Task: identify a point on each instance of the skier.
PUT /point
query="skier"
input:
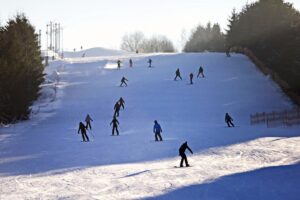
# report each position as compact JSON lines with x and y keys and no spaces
{"x":228,"y":120}
{"x":88,"y":120}
{"x":157,"y":130}
{"x":119,"y":64}
{"x":149,"y":61}
{"x":82,"y":129}
{"x":177,"y":75}
{"x":115,"y":124}
{"x":191,"y":78}
{"x":130,"y":63}
{"x":227,"y":53}
{"x":200,"y":72}
{"x":117,"y":109}
{"x":123,"y":81}
{"x":121,"y":103}
{"x":182,"y":149}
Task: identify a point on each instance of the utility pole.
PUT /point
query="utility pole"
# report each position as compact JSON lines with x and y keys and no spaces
{"x":55,"y":37}
{"x":54,"y":32}
{"x":58,"y":39}
{"x":47,"y":33}
{"x":62,"y":42}
{"x":50,"y":34}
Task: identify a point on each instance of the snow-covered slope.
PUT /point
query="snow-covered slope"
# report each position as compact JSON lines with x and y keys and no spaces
{"x":94,"y":52}
{"x":44,"y":158}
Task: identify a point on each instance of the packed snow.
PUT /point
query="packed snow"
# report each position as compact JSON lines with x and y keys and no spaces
{"x":44,"y":158}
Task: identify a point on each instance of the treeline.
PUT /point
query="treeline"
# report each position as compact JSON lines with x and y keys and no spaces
{"x":269,"y":28}
{"x":21,"y":69}
{"x":137,"y":42}
{"x":209,"y":38}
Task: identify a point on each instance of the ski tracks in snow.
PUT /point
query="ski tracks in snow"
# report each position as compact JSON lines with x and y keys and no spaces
{"x":140,"y":180}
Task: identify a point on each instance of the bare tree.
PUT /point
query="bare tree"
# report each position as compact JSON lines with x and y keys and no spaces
{"x":132,"y":42}
{"x":157,"y":44}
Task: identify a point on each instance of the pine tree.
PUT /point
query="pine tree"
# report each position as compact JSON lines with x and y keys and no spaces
{"x":230,"y":39}
{"x":270,"y":28}
{"x":209,"y":38}
{"x":21,"y":69}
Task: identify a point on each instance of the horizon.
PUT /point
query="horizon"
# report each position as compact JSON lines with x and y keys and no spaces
{"x":98,"y":23}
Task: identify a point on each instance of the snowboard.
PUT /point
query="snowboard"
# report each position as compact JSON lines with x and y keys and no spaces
{"x":182,"y":167}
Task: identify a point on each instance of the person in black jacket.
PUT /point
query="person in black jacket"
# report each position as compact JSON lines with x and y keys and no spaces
{"x":115,"y":124}
{"x":191,"y":78}
{"x":119,"y":64}
{"x":182,"y":149}
{"x":150,"y":62}
{"x":228,"y":120}
{"x":123,"y":81}
{"x":200,"y":72}
{"x":82,"y":129}
{"x":117,"y":109}
{"x":177,"y":73}
{"x":88,"y":120}
{"x":122,"y":103}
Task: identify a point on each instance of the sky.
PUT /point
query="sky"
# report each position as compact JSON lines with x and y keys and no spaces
{"x":102,"y":23}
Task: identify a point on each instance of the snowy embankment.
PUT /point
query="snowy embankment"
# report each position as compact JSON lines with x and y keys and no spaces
{"x":44,"y":159}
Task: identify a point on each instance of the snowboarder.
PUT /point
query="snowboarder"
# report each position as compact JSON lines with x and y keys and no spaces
{"x":88,"y":120}
{"x":191,"y":78}
{"x":130,"y":63}
{"x":123,"y":81}
{"x":200,"y":72}
{"x":228,"y":120}
{"x":182,"y":149}
{"x":150,"y":62}
{"x":121,"y":103}
{"x":157,"y":130}
{"x":115,"y":124}
{"x":119,"y":64}
{"x":82,"y":129}
{"x":117,"y":109}
{"x":177,"y":73}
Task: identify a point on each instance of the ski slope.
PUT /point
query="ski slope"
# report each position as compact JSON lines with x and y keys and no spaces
{"x":94,"y":52}
{"x":44,"y":158}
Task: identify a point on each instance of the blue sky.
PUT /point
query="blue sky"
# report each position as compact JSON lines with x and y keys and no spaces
{"x":92,"y":23}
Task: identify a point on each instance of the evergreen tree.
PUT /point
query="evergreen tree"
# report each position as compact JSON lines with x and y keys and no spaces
{"x":209,"y":38}
{"x":270,"y":28}
{"x":231,"y":26}
{"x":21,"y":69}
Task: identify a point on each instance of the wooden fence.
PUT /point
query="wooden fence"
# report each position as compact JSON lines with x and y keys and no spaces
{"x":275,"y":119}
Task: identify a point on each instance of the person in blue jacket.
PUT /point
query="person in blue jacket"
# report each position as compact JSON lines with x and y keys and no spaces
{"x":157,"y":130}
